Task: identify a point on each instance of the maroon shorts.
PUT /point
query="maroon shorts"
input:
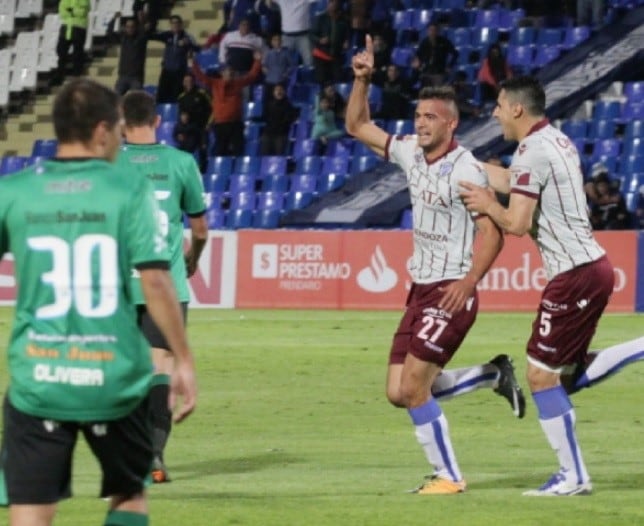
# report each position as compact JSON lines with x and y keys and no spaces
{"x":571,"y":305}
{"x":427,"y":332}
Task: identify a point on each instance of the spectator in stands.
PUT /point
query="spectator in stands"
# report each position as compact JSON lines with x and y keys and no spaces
{"x":359,"y":16}
{"x":73,"y":32}
{"x":494,"y":69}
{"x":324,"y":125}
{"x":237,"y":47}
{"x":133,"y":48}
{"x":197,"y":104}
{"x":227,"y":100}
{"x":330,"y":36}
{"x":270,"y":18}
{"x":465,"y":96}
{"x":214,"y":40}
{"x":237,"y":10}
{"x":435,"y":57}
{"x":337,"y":104}
{"x":179,"y":47}
{"x":277,"y":64}
{"x":608,"y":208}
{"x":396,"y":95}
{"x":187,"y":134}
{"x":590,"y":13}
{"x":296,"y":25}
{"x":279,"y":114}
{"x":381,"y":59}
{"x":381,"y":19}
{"x":147,"y":12}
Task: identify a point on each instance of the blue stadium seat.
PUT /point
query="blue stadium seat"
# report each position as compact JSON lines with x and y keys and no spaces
{"x":632,"y":182}
{"x":165,"y":133}
{"x":336,"y":147}
{"x":460,"y":36}
{"x":296,"y":200}
{"x":361,"y":149}
{"x":241,"y":183}
{"x":252,"y":130}
{"x":208,"y":60}
{"x":607,"y":110}
{"x":237,"y":219}
{"x":258,"y":93}
{"x":275,"y":183}
{"x":300,"y":130}
{"x":11,"y":164}
{"x":305,"y":75}
{"x":44,"y":148}
{"x":252,"y":110}
{"x":216,"y":218}
{"x":304,"y":182}
{"x":216,"y":182}
{"x":252,"y":148}
{"x":273,"y":165}
{"x":400,"y":127}
{"x":601,"y":129}
{"x":464,"y":54}
{"x":402,"y":56}
{"x":483,"y":37}
{"x":609,"y":147}
{"x":421,"y":20}
{"x":520,"y":58}
{"x":270,"y":201}
{"x":522,"y":36}
{"x":308,"y":164}
{"x":363,"y":163}
{"x":575,"y":129}
{"x":338,"y":164}
{"x":402,"y":20}
{"x":151,"y":90}
{"x":266,"y":219}
{"x":509,"y":19}
{"x":243,"y":200}
{"x":247,"y":164}
{"x":344,"y":89}
{"x":169,"y":112}
{"x":303,"y":93}
{"x":633,"y":201}
{"x":575,"y":36}
{"x":632,"y":111}
{"x":487,"y":18}
{"x":330,"y":181}
{"x":550,"y":36}
{"x":634,"y":129}
{"x":220,"y":164}
{"x":609,"y":161}
{"x":634,"y":91}
{"x":374,"y":96}
{"x":629,"y":164}
{"x":546,"y":55}
{"x":306,"y":147}
{"x":634,"y":146}
{"x":406,"y":220}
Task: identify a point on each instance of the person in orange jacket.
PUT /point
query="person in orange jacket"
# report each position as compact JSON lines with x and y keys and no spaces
{"x":227,"y":105}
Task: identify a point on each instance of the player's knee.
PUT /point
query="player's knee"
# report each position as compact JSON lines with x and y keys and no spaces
{"x":412,"y":395}
{"x":540,"y":379}
{"x":394,"y":397}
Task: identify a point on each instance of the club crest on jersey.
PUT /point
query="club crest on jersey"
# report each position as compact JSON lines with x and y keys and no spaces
{"x":419,"y":158}
{"x":522,"y":148}
{"x":445,"y":169}
{"x":563,"y":142}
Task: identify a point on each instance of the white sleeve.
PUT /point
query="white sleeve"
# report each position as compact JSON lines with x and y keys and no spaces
{"x":400,"y":150}
{"x":527,"y":173}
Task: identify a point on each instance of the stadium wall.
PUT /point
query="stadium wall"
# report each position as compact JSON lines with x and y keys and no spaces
{"x":353,"y":269}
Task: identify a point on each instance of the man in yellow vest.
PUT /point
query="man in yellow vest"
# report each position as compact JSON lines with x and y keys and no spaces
{"x":73,"y":30}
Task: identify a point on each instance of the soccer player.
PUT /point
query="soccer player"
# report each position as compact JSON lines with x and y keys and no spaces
{"x":443,"y":301}
{"x":547,"y":200}
{"x":179,"y":189}
{"x":78,"y":362}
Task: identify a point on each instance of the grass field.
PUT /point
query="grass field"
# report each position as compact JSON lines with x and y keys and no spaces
{"x":293,"y":428}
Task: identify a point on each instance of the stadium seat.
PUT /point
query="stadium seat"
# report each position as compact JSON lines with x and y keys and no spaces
{"x":460,"y":36}
{"x":237,"y":219}
{"x":241,"y":183}
{"x":258,"y":93}
{"x":374,"y":96}
{"x":633,"y":182}
{"x":275,"y":183}
{"x":266,"y":219}
{"x":11,"y":164}
{"x":300,"y":130}
{"x":169,"y":112}
{"x":339,"y":147}
{"x":575,"y":36}
{"x":487,"y":18}
{"x":216,"y":218}
{"x":208,"y":60}
{"x":522,"y":36}
{"x":303,"y":93}
{"x":601,"y":129}
{"x":270,"y":201}
{"x":44,"y":148}
{"x":216,"y":182}
{"x":361,"y":149}
{"x":363,"y":163}
{"x":634,"y":146}
{"x":406,"y":220}
{"x":607,"y":110}
{"x":546,"y":55}
{"x":510,"y":18}
{"x":222,"y":165}
{"x":632,"y":111}
{"x":297,"y":199}
{"x":634,"y":129}
{"x":520,"y":58}
{"x":400,"y":127}
{"x":550,"y":36}
{"x":243,"y":200}
{"x":575,"y":129}
{"x":402,"y":20}
{"x":272,"y":165}
{"x":165,"y":133}
{"x":309,"y":164}
{"x":402,"y":56}
{"x":634,"y":91}
{"x":305,"y":75}
{"x":247,"y":164}
{"x":330,"y":181}
{"x":482,"y":37}
{"x":337,"y":165}
{"x":609,"y":147}
{"x":306,"y":147}
{"x":629,"y":164}
{"x":252,"y":110}
{"x":464,"y":55}
{"x":344,"y":89}
{"x":252,"y":130}
{"x":421,"y":19}
{"x":303,"y":182}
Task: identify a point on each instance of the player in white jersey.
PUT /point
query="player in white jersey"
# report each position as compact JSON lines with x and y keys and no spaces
{"x":547,"y":200}
{"x":443,"y":302}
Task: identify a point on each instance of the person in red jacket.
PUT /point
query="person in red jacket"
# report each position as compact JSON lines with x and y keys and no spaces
{"x":494,"y":69}
{"x":227,"y":105}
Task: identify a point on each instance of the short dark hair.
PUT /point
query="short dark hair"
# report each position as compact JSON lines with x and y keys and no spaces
{"x":139,"y":109}
{"x":80,"y":106}
{"x":445,"y":93}
{"x":528,"y":92}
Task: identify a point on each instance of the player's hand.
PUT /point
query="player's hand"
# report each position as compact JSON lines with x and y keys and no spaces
{"x":456,"y":294}
{"x":362,"y":62}
{"x":184,"y":388}
{"x":476,"y":198}
{"x":191,"y":265}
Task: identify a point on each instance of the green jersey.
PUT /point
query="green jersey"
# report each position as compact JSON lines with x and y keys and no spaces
{"x":179,"y":189}
{"x":76,"y":229}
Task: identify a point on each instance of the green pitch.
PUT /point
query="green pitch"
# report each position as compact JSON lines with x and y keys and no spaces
{"x":293,"y":428}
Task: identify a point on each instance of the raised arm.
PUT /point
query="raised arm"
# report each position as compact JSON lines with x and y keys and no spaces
{"x":357,"y":117}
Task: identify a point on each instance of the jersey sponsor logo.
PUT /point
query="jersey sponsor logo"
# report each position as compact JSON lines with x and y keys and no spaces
{"x":445,"y":169}
{"x":546,"y":348}
{"x":523,"y":179}
{"x":433,"y":199}
{"x":522,"y":148}
{"x":68,"y":187}
{"x":430,"y":236}
{"x":378,"y":276}
{"x":68,"y":375}
{"x":563,"y":142}
{"x":552,"y":306}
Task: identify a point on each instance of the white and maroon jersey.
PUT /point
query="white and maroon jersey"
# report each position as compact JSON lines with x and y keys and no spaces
{"x":546,"y":167}
{"x":443,"y":228}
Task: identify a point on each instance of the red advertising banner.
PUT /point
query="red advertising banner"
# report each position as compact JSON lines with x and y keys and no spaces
{"x":367,"y":270}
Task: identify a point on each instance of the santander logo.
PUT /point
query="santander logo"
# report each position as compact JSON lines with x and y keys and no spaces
{"x":378,"y":276}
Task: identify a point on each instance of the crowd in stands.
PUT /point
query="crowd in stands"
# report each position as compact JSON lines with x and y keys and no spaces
{"x":274,"y":77}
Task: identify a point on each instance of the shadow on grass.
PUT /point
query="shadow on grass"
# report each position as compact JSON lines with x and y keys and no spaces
{"x":532,"y":481}
{"x":248,"y":464}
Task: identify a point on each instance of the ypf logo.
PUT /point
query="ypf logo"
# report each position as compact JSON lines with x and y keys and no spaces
{"x":378,"y":276}
{"x":264,"y":261}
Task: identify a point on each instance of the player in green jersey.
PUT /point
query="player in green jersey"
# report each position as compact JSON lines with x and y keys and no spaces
{"x":78,"y":362}
{"x":179,"y":189}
